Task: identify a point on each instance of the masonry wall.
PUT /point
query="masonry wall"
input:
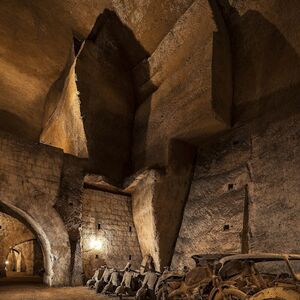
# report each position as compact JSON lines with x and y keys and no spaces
{"x":29,"y":187}
{"x":12,"y":233}
{"x":245,"y":193}
{"x":32,"y":257}
{"x":116,"y":231}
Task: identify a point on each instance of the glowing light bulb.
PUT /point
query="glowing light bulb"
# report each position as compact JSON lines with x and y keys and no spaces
{"x":96,"y":244}
{"x":6,"y":262}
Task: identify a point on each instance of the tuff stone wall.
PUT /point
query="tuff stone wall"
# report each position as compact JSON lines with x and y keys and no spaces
{"x":44,"y":187}
{"x":69,"y":207}
{"x":12,"y":232}
{"x":107,"y":100}
{"x":32,"y":56}
{"x":197,"y":48}
{"x":23,"y":260}
{"x":158,"y":201}
{"x":113,"y":214}
{"x":29,"y":260}
{"x":244,"y":195}
{"x":265,"y":55}
{"x":30,"y":180}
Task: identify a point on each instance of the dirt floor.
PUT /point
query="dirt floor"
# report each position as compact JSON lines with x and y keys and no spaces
{"x":31,"y":288}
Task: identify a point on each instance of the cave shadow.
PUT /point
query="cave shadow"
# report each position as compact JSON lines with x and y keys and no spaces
{"x":37,"y":276}
{"x":111,"y":138}
{"x":256,"y":68}
{"x":15,"y":125}
{"x":266,"y":69}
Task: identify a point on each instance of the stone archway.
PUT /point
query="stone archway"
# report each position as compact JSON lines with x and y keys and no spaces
{"x":53,"y":238}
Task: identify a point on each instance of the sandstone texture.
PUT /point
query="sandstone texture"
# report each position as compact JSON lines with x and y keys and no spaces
{"x":244,"y":194}
{"x":182,"y":93}
{"x":108,"y":218}
{"x":164,"y":128}
{"x":29,"y":186}
{"x":158,"y":202}
{"x":18,"y":236}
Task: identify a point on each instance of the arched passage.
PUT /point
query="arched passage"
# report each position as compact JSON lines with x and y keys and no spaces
{"x":55,"y":247}
{"x":21,"y":254}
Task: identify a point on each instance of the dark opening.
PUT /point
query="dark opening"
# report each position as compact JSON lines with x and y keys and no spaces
{"x":230,"y":186}
{"x":97,"y":256}
{"x":76,"y":44}
{"x":226,"y":227}
{"x":130,"y":229}
{"x":129,"y":257}
{"x":23,"y":255}
{"x":99,"y":226}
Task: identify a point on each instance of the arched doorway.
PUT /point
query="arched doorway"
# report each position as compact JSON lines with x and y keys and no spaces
{"x":51,"y":234}
{"x":24,"y":258}
{"x":21,"y":253}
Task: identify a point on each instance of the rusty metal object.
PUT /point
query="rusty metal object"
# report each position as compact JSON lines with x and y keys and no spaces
{"x":278,"y":292}
{"x":193,"y":284}
{"x":237,"y":277}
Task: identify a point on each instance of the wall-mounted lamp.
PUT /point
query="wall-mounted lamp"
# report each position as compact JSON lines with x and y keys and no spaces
{"x":6,"y":262}
{"x":96,"y":244}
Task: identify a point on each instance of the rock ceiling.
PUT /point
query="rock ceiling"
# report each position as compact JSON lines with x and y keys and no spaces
{"x":36,"y":39}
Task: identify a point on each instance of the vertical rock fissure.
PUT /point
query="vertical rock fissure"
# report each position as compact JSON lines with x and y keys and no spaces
{"x":245,"y":232}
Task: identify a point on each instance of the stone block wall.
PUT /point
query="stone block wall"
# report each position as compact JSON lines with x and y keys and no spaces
{"x":108,"y":218}
{"x":245,"y":193}
{"x":26,"y":250}
{"x":44,"y":188}
{"x":12,"y":232}
{"x":29,"y":187}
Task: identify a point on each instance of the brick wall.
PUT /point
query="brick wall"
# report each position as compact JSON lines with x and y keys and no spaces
{"x":113,"y":214}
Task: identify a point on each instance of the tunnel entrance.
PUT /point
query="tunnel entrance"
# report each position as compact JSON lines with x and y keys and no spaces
{"x":21,"y":254}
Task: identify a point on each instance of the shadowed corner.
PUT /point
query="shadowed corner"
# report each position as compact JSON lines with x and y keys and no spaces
{"x":15,"y":125}
{"x":265,"y":65}
{"x":116,"y":52}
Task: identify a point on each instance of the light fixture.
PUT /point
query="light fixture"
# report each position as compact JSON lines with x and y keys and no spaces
{"x":96,"y":244}
{"x":6,"y":262}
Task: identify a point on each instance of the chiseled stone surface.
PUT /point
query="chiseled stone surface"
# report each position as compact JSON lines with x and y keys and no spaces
{"x":117,"y":232}
{"x":30,"y":181}
{"x":191,"y":99}
{"x":158,"y":203}
{"x":275,"y":206}
{"x":13,"y":232}
{"x":265,"y":48}
{"x":151,"y":71}
{"x":264,"y":156}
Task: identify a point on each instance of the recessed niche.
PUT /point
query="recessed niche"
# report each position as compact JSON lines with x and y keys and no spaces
{"x":99,"y":226}
{"x":129,"y":257}
{"x":77,"y":45}
{"x":230,"y":186}
{"x":226,"y":227}
{"x":96,"y":256}
{"x":130,"y":229}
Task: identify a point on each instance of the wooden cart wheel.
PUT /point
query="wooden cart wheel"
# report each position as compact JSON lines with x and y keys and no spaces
{"x":230,"y":294}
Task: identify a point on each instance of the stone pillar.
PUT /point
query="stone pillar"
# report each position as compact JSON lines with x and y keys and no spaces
{"x":158,"y":204}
